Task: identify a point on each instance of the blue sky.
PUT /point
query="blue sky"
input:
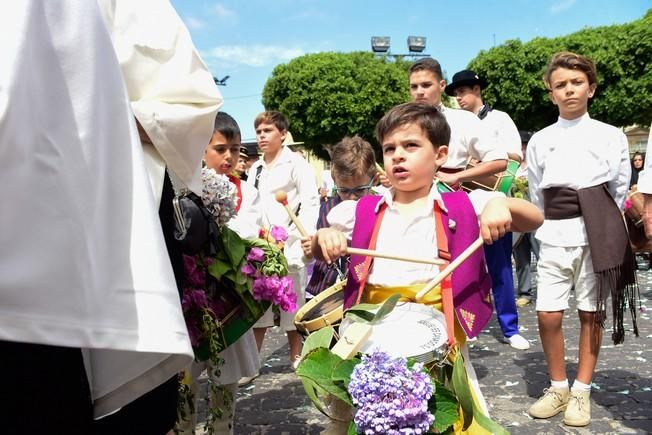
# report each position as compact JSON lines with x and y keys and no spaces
{"x":245,"y":39}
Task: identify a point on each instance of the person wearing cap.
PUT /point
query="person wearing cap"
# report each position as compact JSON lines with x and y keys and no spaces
{"x":283,"y":169}
{"x":241,"y":166}
{"x":468,"y":136}
{"x":467,"y":87}
{"x":253,"y":155}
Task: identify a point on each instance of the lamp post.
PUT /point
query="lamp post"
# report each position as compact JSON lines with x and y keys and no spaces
{"x":416,"y":45}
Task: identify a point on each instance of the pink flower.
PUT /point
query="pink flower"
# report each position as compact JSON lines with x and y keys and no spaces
{"x":628,"y":204}
{"x":195,"y":274}
{"x":256,"y":254}
{"x":279,"y":233}
{"x":248,"y":269}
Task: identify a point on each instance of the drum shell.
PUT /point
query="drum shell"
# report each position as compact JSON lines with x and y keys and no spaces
{"x":330,"y":305}
{"x":501,"y":182}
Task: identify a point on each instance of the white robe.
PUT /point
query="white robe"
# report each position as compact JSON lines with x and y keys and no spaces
{"x":83,"y":262}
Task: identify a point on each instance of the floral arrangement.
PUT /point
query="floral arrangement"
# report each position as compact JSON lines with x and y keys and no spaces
{"x":520,"y":188}
{"x":232,"y":279}
{"x":378,"y":394}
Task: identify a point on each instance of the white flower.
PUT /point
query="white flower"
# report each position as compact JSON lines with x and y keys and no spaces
{"x":219,"y":195}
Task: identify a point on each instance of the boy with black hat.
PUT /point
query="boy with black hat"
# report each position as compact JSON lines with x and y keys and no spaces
{"x":467,"y":87}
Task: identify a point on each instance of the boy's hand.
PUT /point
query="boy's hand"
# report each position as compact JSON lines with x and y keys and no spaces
{"x":647,"y":215}
{"x":495,"y":220}
{"x":450,"y":179}
{"x":329,"y":244}
{"x":306,"y":245}
{"x":384,"y":181}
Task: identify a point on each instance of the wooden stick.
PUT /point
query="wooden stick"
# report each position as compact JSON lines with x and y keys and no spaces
{"x":449,"y":269}
{"x":380,"y":169}
{"x":282,"y":197}
{"x":370,"y":253}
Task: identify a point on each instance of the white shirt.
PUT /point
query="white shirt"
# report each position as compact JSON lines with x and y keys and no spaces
{"x":413,"y":236}
{"x":248,"y":221}
{"x":292,"y":174}
{"x":504,"y":132}
{"x":576,"y":153}
{"x":83,"y":262}
{"x":645,"y":177}
{"x":469,"y":138}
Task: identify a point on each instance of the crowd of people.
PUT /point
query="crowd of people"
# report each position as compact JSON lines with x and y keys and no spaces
{"x":91,"y":326}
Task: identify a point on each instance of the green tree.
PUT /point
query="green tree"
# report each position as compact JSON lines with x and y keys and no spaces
{"x":329,"y":95}
{"x":623,"y":56}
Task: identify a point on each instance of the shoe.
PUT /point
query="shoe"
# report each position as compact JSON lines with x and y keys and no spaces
{"x":246,"y":380}
{"x":578,"y":411}
{"x":553,"y":402}
{"x":523,"y":301}
{"x":296,"y":362}
{"x":517,"y":341}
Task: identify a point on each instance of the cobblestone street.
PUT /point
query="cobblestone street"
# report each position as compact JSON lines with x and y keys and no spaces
{"x":511,"y":380}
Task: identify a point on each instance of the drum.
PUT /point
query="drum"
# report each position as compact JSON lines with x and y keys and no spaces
{"x":410,"y":330}
{"x":323,"y":310}
{"x":634,"y":221}
{"x":501,"y":182}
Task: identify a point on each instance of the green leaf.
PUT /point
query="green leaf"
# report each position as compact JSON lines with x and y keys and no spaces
{"x":360,"y":316}
{"x":343,"y":371}
{"x":353,"y":430}
{"x":444,"y":406}
{"x":462,"y":390}
{"x":487,"y":423}
{"x":312,"y":391}
{"x":233,"y":245}
{"x":318,"y":366}
{"x":219,"y":267}
{"x":320,"y":338}
{"x":387,"y":306}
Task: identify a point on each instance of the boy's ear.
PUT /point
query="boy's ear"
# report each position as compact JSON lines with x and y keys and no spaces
{"x":441,"y":155}
{"x":552,"y":97}
{"x":592,"y":90}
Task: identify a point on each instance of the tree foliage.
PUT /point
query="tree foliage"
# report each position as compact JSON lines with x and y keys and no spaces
{"x":329,"y":95}
{"x":623,"y":56}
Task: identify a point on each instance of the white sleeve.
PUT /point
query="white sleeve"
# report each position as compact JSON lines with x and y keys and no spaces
{"x":479,"y":199}
{"x":620,"y":169}
{"x":171,"y":91}
{"x":342,"y":217}
{"x":508,"y":137}
{"x":248,"y":221}
{"x":534,"y":174}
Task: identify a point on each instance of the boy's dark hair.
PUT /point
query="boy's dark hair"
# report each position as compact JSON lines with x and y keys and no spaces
{"x":426,"y":116}
{"x":352,"y":157}
{"x":272,"y":117}
{"x":569,"y":60}
{"x":226,"y":126}
{"x":427,"y":64}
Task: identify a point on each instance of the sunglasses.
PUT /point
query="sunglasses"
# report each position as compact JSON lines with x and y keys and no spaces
{"x":358,"y":191}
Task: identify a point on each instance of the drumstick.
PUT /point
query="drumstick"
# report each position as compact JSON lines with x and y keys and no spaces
{"x":282,"y":198}
{"x":449,"y":269}
{"x":380,"y":169}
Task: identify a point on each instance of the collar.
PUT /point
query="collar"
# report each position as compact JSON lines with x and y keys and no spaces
{"x":387,"y":197}
{"x":572,"y":122}
{"x":285,"y":157}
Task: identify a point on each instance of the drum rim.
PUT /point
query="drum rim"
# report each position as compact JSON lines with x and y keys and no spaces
{"x":328,"y":319}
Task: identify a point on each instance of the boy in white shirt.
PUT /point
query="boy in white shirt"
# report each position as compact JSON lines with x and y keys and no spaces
{"x":578,"y":173}
{"x":282,"y":169}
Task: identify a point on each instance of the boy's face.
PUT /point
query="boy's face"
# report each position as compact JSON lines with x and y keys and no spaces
{"x":269,"y":137}
{"x":425,"y":87}
{"x":411,"y":159}
{"x":241,"y":166}
{"x":352,"y":187}
{"x":221,"y":154}
{"x":468,"y":97}
{"x":570,"y":91}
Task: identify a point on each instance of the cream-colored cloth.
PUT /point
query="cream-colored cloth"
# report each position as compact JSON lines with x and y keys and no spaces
{"x":83,"y":261}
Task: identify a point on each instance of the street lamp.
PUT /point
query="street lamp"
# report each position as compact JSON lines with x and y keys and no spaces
{"x":416,"y":44}
{"x":380,"y":44}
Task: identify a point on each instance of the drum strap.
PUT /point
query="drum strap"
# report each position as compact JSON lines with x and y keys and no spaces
{"x":372,"y":245}
{"x":446,"y":285}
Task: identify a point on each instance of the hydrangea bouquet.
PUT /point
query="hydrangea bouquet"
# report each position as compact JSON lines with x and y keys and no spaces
{"x":229,"y":285}
{"x":378,"y":394}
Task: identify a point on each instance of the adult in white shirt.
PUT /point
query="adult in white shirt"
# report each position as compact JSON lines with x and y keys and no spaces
{"x":467,"y":87}
{"x":89,"y":307}
{"x":282,"y":169}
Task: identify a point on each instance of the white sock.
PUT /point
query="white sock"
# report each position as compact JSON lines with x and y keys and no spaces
{"x":580,"y":386}
{"x":559,"y":384}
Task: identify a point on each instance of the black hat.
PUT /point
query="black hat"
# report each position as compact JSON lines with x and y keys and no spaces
{"x":250,"y":149}
{"x":243,"y":152}
{"x":465,"y":77}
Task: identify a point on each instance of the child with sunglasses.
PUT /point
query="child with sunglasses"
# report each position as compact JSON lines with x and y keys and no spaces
{"x":354,"y":172}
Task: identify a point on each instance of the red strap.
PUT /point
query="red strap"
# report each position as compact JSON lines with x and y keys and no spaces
{"x":446,"y":284}
{"x":238,"y":188}
{"x":372,"y":245}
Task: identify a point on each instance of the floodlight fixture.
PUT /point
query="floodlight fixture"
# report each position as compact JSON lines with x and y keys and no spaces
{"x":416,"y":44}
{"x":380,"y":44}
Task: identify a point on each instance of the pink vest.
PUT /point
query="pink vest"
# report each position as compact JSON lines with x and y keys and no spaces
{"x":470,"y":281}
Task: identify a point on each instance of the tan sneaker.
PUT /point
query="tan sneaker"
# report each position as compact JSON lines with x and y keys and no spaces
{"x":553,"y":402}
{"x":523,"y":301}
{"x":578,"y":412}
